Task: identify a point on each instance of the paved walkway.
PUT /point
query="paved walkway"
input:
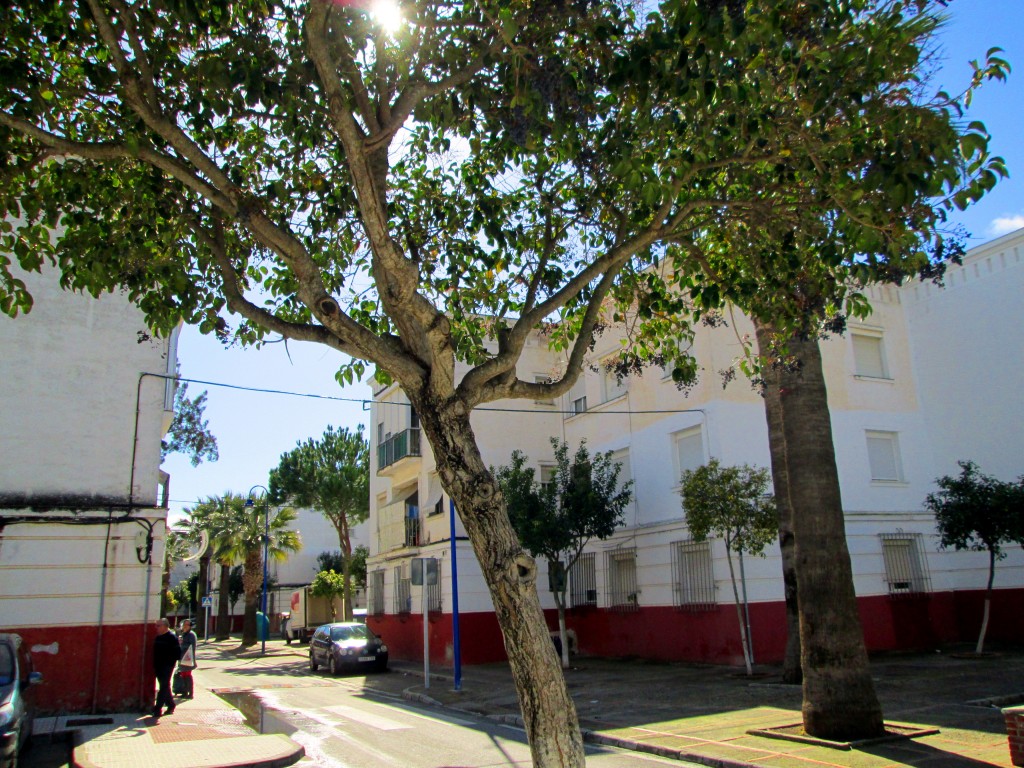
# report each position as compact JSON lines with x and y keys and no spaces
{"x":701,"y":714}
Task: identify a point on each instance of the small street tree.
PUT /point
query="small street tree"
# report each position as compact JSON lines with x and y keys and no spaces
{"x":332,"y":476}
{"x":331,"y":585}
{"x":978,"y":512}
{"x":583,"y":501}
{"x":732,"y":503}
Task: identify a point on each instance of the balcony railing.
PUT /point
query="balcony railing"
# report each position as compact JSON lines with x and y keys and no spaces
{"x":412,"y":531}
{"x":398,"y":525}
{"x":397,"y":447}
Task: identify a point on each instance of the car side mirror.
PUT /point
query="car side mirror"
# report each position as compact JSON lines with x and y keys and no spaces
{"x":34,"y":678}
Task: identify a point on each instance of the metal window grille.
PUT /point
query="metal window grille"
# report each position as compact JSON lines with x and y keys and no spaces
{"x":583,"y":581}
{"x":693,"y":575}
{"x":403,"y":592}
{"x":906,"y":569}
{"x":434,"y":597}
{"x":623,"y":594}
{"x":377,"y":592}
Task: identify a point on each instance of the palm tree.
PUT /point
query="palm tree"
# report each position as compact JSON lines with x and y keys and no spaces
{"x":215,"y":516}
{"x":243,"y":541}
{"x":175,"y":549}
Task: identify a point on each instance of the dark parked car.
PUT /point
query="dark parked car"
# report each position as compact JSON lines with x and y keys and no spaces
{"x":16,"y":680}
{"x":346,"y":645}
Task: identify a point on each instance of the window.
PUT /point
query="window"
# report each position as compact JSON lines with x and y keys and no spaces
{"x":612,"y":385}
{"x":583,"y":581}
{"x":578,"y":397}
{"x":869,"y":356}
{"x":434,"y":596}
{"x":689,"y":450}
{"x":543,"y":400}
{"x":547,"y":476}
{"x":623,"y":594}
{"x":693,"y":575}
{"x":403,"y":592}
{"x":377,"y":592}
{"x":380,"y":433}
{"x":906,"y":570}
{"x":884,"y":456}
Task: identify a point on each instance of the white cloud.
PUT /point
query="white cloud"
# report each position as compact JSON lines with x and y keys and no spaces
{"x":1005,"y":224}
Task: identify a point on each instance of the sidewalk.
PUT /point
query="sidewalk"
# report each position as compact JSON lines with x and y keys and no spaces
{"x":697,"y":713}
{"x":205,"y":732}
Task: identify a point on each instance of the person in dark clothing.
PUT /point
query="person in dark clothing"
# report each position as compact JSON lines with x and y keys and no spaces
{"x":166,"y":654}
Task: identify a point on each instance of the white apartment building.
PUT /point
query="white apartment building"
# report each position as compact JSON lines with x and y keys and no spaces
{"x":84,"y":403}
{"x":929,"y":379}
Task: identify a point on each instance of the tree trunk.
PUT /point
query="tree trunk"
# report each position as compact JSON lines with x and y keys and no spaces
{"x":563,"y":634}
{"x":988,"y":600}
{"x":202,"y":590}
{"x":791,"y":672}
{"x":548,"y":711}
{"x":224,"y":603}
{"x":744,"y":640}
{"x":253,"y":580}
{"x":839,"y":700}
{"x":165,"y":588}
{"x":345,"y":542}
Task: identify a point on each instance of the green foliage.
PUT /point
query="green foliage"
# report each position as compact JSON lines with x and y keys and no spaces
{"x":583,"y":502}
{"x":189,"y":432}
{"x":328,"y":584}
{"x":975,"y":511}
{"x":330,"y":561}
{"x":236,"y":585}
{"x":730,"y":503}
{"x":181,"y":596}
{"x":331,"y":475}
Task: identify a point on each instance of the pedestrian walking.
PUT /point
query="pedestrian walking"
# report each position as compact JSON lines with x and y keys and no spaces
{"x":166,"y":654}
{"x":187,"y":641}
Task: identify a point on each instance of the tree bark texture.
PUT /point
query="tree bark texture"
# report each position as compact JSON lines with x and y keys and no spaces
{"x":224,"y":603}
{"x":548,"y":711}
{"x":979,"y":648}
{"x":345,"y":543}
{"x":791,"y":671}
{"x":839,"y":700}
{"x":252,"y":578}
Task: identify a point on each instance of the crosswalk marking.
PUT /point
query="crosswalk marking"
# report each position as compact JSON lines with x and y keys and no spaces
{"x":367,"y":718}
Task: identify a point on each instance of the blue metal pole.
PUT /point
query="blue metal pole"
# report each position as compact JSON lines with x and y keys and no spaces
{"x":456,"y":650}
{"x":266,"y":559}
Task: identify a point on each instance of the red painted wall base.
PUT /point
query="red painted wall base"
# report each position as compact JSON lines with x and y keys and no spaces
{"x":73,"y":683}
{"x":664,"y":633}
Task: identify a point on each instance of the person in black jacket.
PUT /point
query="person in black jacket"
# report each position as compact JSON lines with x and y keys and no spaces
{"x":166,"y":654}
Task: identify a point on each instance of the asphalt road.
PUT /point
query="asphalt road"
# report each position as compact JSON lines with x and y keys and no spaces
{"x":356,"y":721}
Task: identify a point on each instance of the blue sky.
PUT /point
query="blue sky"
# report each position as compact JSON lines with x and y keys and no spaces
{"x":254,"y":429}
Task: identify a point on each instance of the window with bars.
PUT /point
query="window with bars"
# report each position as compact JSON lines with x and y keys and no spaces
{"x":403,"y":591}
{"x":906,"y":569}
{"x":623,"y":593}
{"x":377,"y":592}
{"x":434,"y":597}
{"x":693,"y":575}
{"x":583,"y":581}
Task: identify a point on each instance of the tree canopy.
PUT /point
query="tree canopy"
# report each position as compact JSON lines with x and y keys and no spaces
{"x":485,"y":170}
{"x":189,"y":432}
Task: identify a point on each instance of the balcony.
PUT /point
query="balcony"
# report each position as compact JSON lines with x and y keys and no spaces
{"x":399,"y":526}
{"x":397,"y":447}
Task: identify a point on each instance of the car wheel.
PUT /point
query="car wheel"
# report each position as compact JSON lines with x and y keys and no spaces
{"x":313,"y":666}
{"x":381,"y":666}
{"x":334,"y":666}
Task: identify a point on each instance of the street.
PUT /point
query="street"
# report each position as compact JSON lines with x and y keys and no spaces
{"x":356,"y":720}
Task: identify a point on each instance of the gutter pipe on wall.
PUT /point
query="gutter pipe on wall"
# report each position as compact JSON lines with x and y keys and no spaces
{"x":456,"y":648}
{"x":99,"y":623}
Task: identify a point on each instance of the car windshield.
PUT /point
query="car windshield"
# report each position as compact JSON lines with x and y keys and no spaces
{"x":355,"y":632}
{"x":6,"y":665}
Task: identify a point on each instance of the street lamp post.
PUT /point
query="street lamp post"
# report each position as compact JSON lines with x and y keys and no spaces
{"x":266,"y":556}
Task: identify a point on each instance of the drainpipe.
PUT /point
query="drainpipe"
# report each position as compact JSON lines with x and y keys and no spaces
{"x":456,"y":648}
{"x":99,"y":622}
{"x":145,"y":620}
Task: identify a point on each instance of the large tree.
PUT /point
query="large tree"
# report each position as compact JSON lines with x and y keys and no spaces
{"x":189,"y":432}
{"x":332,"y":476}
{"x":401,"y":195}
{"x":978,"y":512}
{"x":584,"y":500}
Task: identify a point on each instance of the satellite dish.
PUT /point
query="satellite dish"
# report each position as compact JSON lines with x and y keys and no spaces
{"x":197,"y":549}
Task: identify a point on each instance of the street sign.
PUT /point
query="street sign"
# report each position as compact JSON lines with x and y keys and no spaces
{"x":207,"y":602}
